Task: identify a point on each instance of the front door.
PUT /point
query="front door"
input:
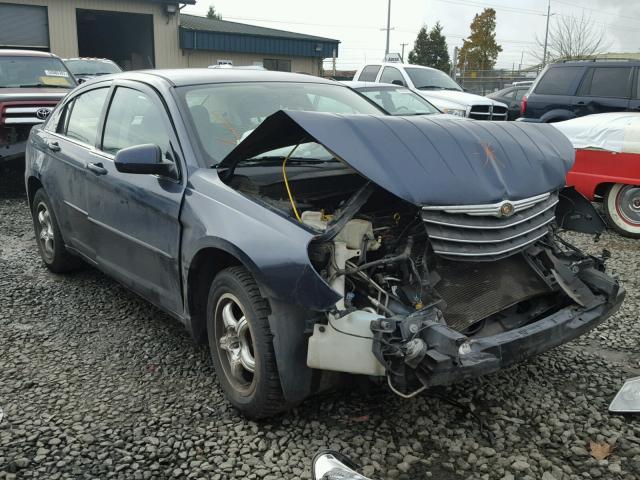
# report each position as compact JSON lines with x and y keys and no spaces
{"x":136,"y":217}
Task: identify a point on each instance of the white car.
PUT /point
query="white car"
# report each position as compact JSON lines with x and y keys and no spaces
{"x":435,"y":86}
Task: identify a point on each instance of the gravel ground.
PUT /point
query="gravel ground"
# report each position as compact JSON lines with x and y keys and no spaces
{"x":96,"y":383}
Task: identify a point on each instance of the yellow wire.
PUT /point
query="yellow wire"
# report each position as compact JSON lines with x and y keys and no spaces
{"x":286,"y":183}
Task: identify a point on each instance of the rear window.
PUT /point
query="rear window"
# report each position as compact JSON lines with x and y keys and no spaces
{"x":606,"y":82}
{"x":557,"y":81}
{"x":369,"y":73}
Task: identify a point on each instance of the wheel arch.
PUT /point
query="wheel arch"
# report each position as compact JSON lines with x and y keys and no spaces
{"x":33,"y":185}
{"x":557,"y":116}
{"x":286,"y":320}
{"x":602,"y":188}
{"x":207,"y":262}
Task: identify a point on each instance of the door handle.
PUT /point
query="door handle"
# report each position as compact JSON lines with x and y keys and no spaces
{"x":580,"y":103}
{"x":97,"y":168}
{"x":53,"y":146}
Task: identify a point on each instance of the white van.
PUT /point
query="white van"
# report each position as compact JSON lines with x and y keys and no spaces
{"x":436,"y":86}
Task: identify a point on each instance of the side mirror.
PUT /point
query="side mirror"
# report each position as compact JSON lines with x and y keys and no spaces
{"x":398,"y":82}
{"x":144,"y":160}
{"x":331,"y":465}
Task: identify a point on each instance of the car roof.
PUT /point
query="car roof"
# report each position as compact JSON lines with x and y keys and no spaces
{"x":14,"y":52}
{"x":93,"y":59}
{"x":599,"y":63}
{"x":397,"y":64}
{"x":202,"y":76}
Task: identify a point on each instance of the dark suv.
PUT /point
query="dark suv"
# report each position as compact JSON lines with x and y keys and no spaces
{"x":573,"y":89}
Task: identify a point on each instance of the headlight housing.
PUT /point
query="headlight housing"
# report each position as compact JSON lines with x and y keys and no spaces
{"x":455,"y":111}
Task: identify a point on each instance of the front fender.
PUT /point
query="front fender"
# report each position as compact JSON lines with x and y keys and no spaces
{"x":271,"y":246}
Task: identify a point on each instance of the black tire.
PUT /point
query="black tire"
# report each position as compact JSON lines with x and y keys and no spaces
{"x":53,"y":252}
{"x":256,"y":394}
{"x":621,"y":206}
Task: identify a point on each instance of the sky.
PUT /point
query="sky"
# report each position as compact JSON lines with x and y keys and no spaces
{"x":358,"y":24}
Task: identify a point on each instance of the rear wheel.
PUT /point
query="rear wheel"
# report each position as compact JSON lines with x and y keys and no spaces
{"x":622,"y":208}
{"x":241,"y":344}
{"x":45,"y":224}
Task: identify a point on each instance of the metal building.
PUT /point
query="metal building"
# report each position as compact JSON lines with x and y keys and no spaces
{"x":153,"y":33}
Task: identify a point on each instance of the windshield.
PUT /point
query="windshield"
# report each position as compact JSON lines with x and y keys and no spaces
{"x":399,"y":101}
{"x":224,"y":114}
{"x":426,"y":79}
{"x":92,"y":67}
{"x":34,"y":72}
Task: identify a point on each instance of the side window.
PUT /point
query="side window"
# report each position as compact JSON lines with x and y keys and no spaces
{"x":134,"y":119}
{"x":606,"y":82}
{"x":558,"y":80}
{"x":520,"y":93}
{"x":389,"y":74}
{"x":83,"y":116}
{"x":369,"y":73}
{"x":326,"y":104}
{"x":637,"y":88}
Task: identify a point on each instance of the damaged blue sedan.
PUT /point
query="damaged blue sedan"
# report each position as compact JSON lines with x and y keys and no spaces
{"x":308,"y":237}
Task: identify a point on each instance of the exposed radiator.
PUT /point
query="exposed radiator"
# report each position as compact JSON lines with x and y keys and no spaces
{"x":474,"y":291}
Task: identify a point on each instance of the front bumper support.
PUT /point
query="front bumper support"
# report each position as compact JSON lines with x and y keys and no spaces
{"x":476,"y":357}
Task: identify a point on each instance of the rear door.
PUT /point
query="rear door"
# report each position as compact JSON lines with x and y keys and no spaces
{"x":604,"y":89}
{"x":137,"y":216}
{"x":70,"y":140}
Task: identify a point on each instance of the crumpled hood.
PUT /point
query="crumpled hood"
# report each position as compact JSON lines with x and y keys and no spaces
{"x":428,"y":160}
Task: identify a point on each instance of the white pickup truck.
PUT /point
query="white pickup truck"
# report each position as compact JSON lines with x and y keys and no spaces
{"x":436,"y":86}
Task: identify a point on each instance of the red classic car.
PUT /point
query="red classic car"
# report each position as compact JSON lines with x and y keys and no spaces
{"x":607,"y":166}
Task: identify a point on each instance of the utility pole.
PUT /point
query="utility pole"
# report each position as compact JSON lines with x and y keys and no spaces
{"x":521,"y":59}
{"x":546,"y":35}
{"x":403,"y":45}
{"x":386,"y":50}
{"x":454,"y":63}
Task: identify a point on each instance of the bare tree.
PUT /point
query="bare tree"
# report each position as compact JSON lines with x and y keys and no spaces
{"x":572,"y":38}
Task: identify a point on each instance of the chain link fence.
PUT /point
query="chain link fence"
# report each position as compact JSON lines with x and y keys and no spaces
{"x":484,"y":82}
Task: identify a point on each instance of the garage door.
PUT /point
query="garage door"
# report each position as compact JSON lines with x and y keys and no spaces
{"x":23,"y":26}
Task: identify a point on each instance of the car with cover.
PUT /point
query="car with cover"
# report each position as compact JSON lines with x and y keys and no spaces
{"x":307,"y":237}
{"x":435,"y":86}
{"x":607,"y":166}
{"x":572,"y":89}
{"x":31,"y":85}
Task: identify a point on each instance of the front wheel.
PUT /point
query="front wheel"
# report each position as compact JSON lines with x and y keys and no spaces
{"x":622,"y":208}
{"x":241,"y":344}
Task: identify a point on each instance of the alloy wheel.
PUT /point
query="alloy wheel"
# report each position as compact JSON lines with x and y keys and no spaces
{"x":45,"y":231}
{"x":235,"y":342}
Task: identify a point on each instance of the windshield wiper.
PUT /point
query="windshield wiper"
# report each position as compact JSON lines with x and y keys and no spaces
{"x":430,"y":87}
{"x":42,"y":85}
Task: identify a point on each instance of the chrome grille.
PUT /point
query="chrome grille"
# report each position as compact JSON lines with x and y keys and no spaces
{"x":480,"y":232}
{"x":488,"y":112}
{"x":25,"y":114}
